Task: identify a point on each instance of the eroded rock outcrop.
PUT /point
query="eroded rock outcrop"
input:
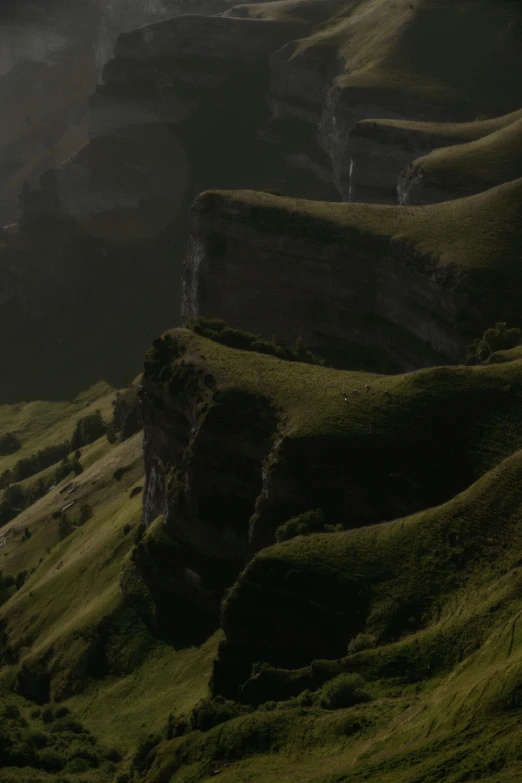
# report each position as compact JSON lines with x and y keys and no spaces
{"x":465,"y":169}
{"x":257,"y":265}
{"x":238,"y":442}
{"x":202,"y":474}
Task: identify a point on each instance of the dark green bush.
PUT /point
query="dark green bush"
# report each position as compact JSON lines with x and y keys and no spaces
{"x":20,"y":755}
{"x":11,"y":712}
{"x":65,"y":526}
{"x":176,"y":726}
{"x":126,"y":417}
{"x":363,"y":641}
{"x":211,"y":712}
{"x":50,"y":760}
{"x":112,"y":754}
{"x":145,"y":752}
{"x":309,"y":522}
{"x":88,"y":429}
{"x":67,"y":724}
{"x":343,"y":691}
{"x":9,"y":444}
{"x":85,"y":514}
{"x":497,"y":338}
{"x":47,"y":714}
{"x":77,"y":764}
{"x":89,"y":756}
{"x":37,"y":739}
{"x":217,"y":330}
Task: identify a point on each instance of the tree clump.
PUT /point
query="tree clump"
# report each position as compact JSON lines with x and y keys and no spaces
{"x":217,"y":330}
{"x":310,"y":522}
{"x":9,"y":444}
{"x":126,"y":417}
{"x":497,"y":338}
{"x":88,"y":429}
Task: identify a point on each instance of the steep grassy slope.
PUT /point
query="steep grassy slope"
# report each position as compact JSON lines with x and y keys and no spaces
{"x":68,"y":632}
{"x":480,"y":232}
{"x":44,"y":423}
{"x":468,"y":251}
{"x":456,"y":54}
{"x":474,"y":166}
{"x":426,"y":606}
{"x":452,"y":132}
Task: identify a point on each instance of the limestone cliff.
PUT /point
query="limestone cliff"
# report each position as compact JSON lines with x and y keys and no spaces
{"x":254,"y":264}
{"x":202,"y":474}
{"x":467,"y":168}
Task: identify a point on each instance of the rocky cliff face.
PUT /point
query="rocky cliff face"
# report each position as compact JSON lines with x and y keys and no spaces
{"x":150,"y":151}
{"x":202,"y":475}
{"x":381,"y":152}
{"x":248,"y":266}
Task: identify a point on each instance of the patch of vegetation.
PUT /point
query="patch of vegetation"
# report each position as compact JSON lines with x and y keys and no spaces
{"x":343,"y":691}
{"x":17,"y":498}
{"x":31,"y":741}
{"x":29,"y":466}
{"x":306,"y":523}
{"x":9,"y":444}
{"x":476,"y":165}
{"x":497,"y":338}
{"x":317,"y":592}
{"x":217,"y":330}
{"x":88,"y":429}
{"x":10,"y":583}
{"x":126,"y":417}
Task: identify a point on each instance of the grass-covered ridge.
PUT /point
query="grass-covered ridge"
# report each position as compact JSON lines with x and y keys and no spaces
{"x":481,"y":232}
{"x":389,"y":651}
{"x":476,"y":165}
{"x":438,"y":53}
{"x":460,"y":132}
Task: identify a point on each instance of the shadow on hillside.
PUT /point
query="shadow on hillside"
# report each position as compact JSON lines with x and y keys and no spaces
{"x":102,"y":309}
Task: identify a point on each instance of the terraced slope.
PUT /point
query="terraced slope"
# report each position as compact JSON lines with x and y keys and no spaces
{"x":412,"y":61}
{"x":408,"y":286}
{"x":388,"y":650}
{"x":427,"y":606}
{"x":385,"y":155}
{"x":282,"y":85}
{"x":465,"y":169}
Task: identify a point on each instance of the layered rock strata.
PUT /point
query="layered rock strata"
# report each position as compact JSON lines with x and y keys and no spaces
{"x":247,"y":265}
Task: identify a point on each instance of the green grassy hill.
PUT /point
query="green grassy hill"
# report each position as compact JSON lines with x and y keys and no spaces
{"x":458,"y":54}
{"x":68,"y":633}
{"x":475,"y":243}
{"x":388,"y":652}
{"x":426,"y":607}
{"x":479,"y":232}
{"x":359,"y":535}
{"x":474,"y":166}
{"x":451,"y":132}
